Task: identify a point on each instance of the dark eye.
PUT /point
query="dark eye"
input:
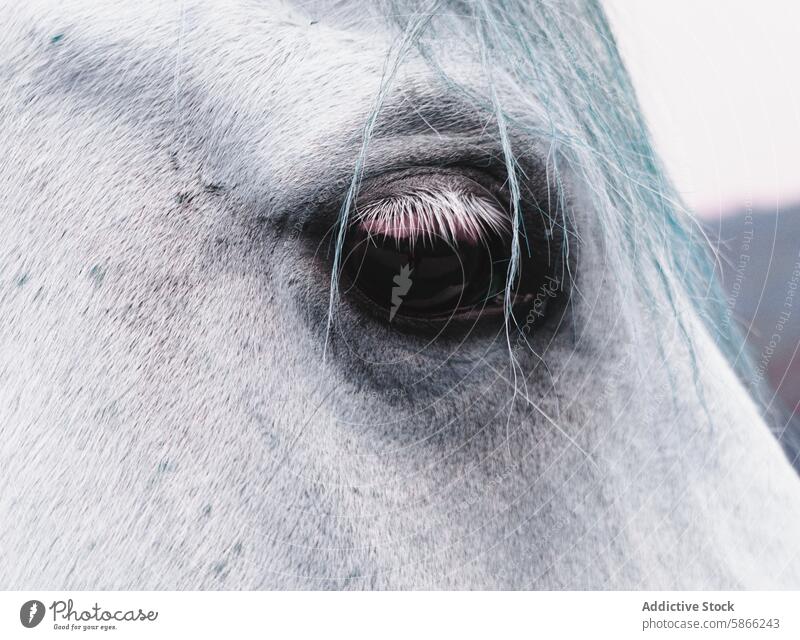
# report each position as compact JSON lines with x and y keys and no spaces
{"x":426,"y":277}
{"x":434,"y":249}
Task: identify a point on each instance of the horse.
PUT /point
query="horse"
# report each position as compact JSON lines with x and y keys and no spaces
{"x":361,"y":295}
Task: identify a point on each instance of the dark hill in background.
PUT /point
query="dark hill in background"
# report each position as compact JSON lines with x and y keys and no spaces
{"x":760,"y":253}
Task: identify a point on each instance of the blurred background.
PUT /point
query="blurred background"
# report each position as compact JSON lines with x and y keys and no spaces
{"x":719,"y":84}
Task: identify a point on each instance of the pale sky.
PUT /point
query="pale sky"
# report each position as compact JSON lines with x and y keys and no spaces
{"x":719,"y":83}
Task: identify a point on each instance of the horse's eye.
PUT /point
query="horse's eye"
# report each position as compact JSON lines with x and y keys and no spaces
{"x":429,"y":254}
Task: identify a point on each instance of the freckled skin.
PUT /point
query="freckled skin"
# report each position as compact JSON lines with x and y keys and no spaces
{"x":167,"y":417}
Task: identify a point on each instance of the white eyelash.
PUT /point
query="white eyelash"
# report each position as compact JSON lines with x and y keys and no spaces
{"x":443,"y":214}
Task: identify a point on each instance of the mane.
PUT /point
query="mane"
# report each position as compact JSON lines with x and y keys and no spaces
{"x":554,"y":74}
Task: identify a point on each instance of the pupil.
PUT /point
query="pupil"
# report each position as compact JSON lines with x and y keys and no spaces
{"x":422,"y":278}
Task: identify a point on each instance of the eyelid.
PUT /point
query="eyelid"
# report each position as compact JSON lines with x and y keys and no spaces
{"x":446,"y":207}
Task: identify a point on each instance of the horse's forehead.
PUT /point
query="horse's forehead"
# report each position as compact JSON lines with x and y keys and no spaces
{"x":254,"y":40}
